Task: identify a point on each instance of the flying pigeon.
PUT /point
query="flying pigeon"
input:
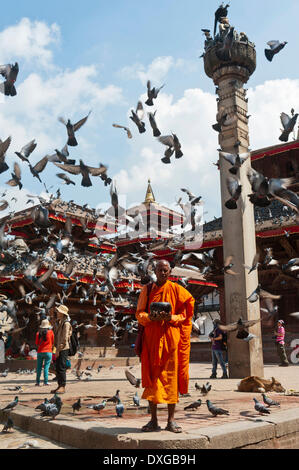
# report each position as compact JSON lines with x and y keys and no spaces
{"x":288,"y":124}
{"x":152,"y":93}
{"x":234,"y":188}
{"x":3,"y":148}
{"x":84,"y":170}
{"x":152,"y":120}
{"x":26,"y":151}
{"x":132,"y":379}
{"x":72,"y":128}
{"x":235,"y":159}
{"x":138,"y":116}
{"x":10,"y":73}
{"x":129,"y":133}
{"x":275,"y":47}
{"x":16,"y":177}
{"x":173,"y":144}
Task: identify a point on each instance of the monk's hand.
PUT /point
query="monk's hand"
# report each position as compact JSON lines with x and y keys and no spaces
{"x":166,"y":316}
{"x":154,"y":316}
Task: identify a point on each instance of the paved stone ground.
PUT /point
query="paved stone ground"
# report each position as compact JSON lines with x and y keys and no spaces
{"x":104,"y":384}
{"x":17,"y":438}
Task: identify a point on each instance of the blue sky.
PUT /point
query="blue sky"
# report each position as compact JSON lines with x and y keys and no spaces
{"x":117,"y":44}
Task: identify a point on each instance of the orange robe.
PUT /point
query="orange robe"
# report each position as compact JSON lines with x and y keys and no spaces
{"x":166,"y":345}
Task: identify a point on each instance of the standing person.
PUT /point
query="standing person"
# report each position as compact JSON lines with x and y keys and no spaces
{"x":217,"y":351}
{"x":279,"y":334}
{"x":62,"y":334}
{"x":2,"y":352}
{"x":44,"y":341}
{"x":166,"y":345}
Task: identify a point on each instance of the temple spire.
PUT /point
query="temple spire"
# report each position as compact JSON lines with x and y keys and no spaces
{"x":149,"y":197}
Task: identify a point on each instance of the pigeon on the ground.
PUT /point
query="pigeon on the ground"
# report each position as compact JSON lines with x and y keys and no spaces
{"x":268,"y":401}
{"x":214,"y":410}
{"x":115,"y":398}
{"x":193,"y":406}
{"x":260,"y":407}
{"x":11,"y":405}
{"x":136,"y":399}
{"x":8,"y":425}
{"x":77,"y":405}
{"x":98,"y":407}
{"x":119,"y":408}
{"x":43,"y":405}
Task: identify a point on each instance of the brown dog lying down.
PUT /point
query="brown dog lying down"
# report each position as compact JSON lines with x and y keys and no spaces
{"x":258,"y":384}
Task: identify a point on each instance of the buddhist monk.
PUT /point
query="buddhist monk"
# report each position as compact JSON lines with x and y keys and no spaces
{"x":166,"y":345}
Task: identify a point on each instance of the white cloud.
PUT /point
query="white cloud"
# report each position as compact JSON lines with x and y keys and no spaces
{"x":156,"y":71}
{"x":191,"y":118}
{"x":29,"y":41}
{"x":266,"y":102}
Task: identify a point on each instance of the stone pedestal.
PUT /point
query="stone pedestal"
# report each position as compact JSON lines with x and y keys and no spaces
{"x":238,"y":225}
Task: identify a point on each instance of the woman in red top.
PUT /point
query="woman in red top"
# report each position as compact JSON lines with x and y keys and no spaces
{"x":44,"y":341}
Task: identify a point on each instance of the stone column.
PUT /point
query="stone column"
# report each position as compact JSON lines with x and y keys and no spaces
{"x":238,"y":224}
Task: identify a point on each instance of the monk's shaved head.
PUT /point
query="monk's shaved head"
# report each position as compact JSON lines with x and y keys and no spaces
{"x":163,"y":262}
{"x":162,"y":271}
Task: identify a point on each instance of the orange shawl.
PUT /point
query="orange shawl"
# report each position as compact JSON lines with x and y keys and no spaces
{"x":166,"y":345}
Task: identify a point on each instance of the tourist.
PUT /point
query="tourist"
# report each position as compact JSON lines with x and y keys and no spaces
{"x":279,"y":335}
{"x":217,"y":350}
{"x":165,"y":346}
{"x":44,"y":341}
{"x":25,"y":349}
{"x":62,"y":334}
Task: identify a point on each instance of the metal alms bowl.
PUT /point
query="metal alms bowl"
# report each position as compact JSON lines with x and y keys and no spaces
{"x":160,"y":307}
